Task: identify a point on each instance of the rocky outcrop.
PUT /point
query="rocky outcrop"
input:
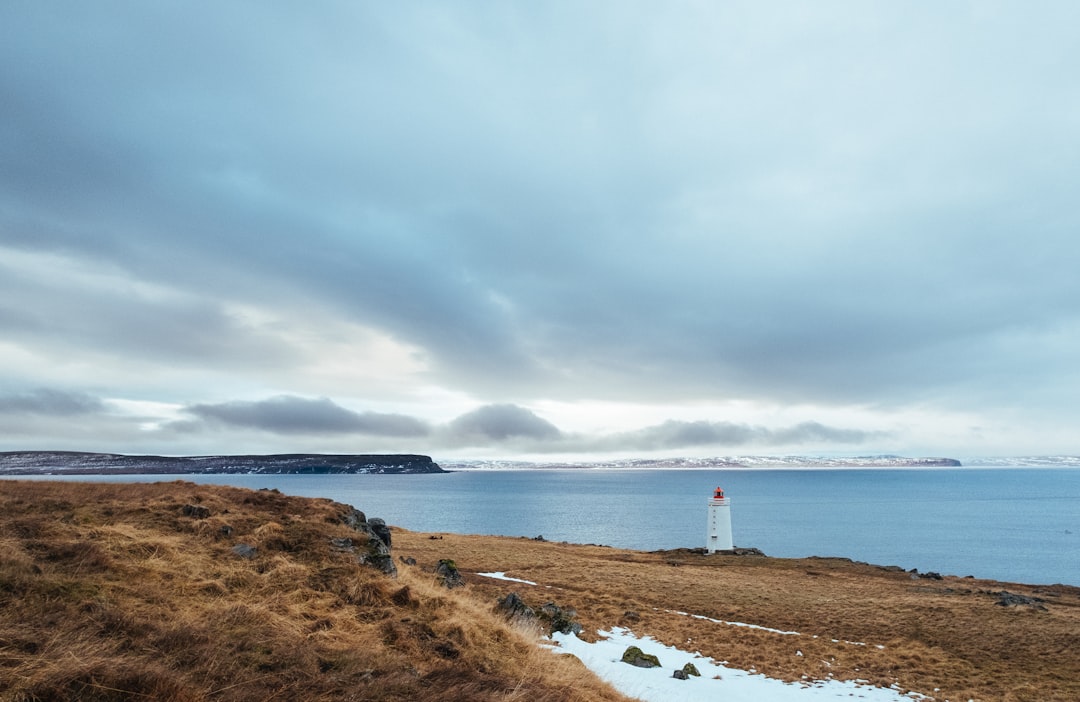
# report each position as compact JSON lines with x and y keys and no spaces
{"x":560,"y":619}
{"x":1011,"y":599}
{"x":376,"y":552}
{"x":514,"y":608}
{"x":550,"y":616}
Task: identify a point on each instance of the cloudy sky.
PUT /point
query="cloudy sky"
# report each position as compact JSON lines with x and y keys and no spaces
{"x":522,"y":229}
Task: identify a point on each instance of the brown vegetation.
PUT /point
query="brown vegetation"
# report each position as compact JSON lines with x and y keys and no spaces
{"x":116,"y":592}
{"x":124,"y":592}
{"x":947,"y":639}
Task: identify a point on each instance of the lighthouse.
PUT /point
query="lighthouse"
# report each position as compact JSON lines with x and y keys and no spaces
{"x":718,"y":535}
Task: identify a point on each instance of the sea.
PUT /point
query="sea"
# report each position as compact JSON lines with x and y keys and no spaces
{"x":1010,"y":524}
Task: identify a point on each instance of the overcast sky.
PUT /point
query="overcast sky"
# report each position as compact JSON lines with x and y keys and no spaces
{"x":561,"y":228}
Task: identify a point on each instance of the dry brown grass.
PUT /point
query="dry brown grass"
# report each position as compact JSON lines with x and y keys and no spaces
{"x":947,"y":639}
{"x":111,"y":592}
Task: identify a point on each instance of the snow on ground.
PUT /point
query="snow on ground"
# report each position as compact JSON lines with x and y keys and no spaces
{"x":761,"y":628}
{"x":499,"y":575}
{"x":716,"y":681}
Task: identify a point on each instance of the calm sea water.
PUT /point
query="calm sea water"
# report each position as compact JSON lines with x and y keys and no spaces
{"x":1019,"y":525}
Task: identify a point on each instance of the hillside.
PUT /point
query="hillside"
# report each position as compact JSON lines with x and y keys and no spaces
{"x":183,"y":592}
{"x":178,"y":592}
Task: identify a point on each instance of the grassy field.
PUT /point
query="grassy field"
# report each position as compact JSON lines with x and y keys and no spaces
{"x":947,"y":639}
{"x":113,"y":592}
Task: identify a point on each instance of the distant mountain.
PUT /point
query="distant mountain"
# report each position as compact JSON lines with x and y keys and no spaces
{"x":1025,"y":462}
{"x":732,"y":462}
{"x":78,"y":463}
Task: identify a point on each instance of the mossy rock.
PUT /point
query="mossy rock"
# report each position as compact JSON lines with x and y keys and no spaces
{"x":691,"y":669}
{"x":636,"y":657}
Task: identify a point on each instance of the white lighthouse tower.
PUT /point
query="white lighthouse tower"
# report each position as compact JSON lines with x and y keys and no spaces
{"x":718,"y":535}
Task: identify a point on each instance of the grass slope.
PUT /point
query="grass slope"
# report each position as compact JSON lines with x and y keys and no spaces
{"x":111,"y":592}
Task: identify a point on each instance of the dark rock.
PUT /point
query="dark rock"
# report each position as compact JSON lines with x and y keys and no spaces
{"x":680,"y":675}
{"x":451,"y":576}
{"x":196,"y":511}
{"x":377,"y":553}
{"x":378,"y":557}
{"x":638,"y":658}
{"x":354,"y":518}
{"x":380,"y":530}
{"x":539,"y":537}
{"x":560,"y":619}
{"x":410,"y":561}
{"x":631,"y":616}
{"x":225,"y":531}
{"x":1011,"y":599}
{"x":931,"y":575}
{"x":244,"y":550}
{"x":514,"y":608}
{"x":690,"y":669}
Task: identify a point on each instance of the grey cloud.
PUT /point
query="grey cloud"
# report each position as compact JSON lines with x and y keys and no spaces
{"x":296,"y":415}
{"x":500,"y":423}
{"x":677,"y":434}
{"x":520,"y":428}
{"x":715,"y":202}
{"x":47,"y":401}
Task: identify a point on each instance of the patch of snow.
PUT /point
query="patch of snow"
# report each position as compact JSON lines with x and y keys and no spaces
{"x":499,"y":575}
{"x":762,"y":628}
{"x":717,"y":681}
{"x":742,"y":624}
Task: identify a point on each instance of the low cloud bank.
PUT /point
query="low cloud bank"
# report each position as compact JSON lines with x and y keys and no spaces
{"x":287,"y":414}
{"x":46,"y":401}
{"x":506,"y":426}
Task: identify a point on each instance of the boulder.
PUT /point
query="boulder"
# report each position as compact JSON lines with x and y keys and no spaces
{"x":680,"y":675}
{"x":560,"y":619}
{"x":638,"y":658}
{"x":515,"y":609}
{"x":690,"y":669}
{"x":448,"y":571}
{"x":244,"y":550}
{"x":378,"y":528}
